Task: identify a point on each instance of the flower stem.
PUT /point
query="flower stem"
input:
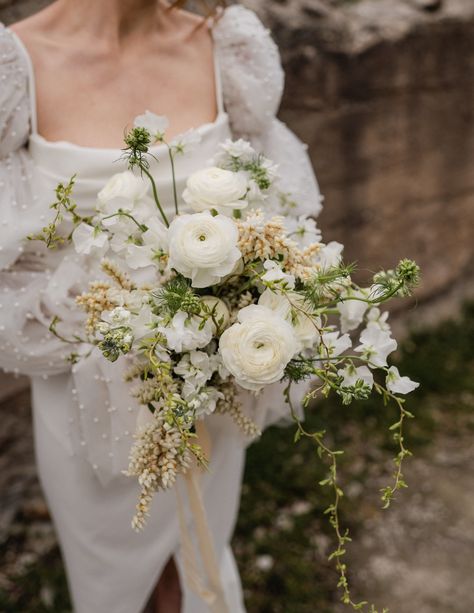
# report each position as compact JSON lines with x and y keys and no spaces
{"x":155,"y":195}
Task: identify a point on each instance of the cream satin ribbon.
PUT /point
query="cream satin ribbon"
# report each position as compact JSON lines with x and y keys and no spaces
{"x":212,"y":593}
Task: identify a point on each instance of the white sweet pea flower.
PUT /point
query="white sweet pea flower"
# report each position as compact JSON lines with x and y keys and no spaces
{"x":351,"y":375}
{"x":122,"y":191}
{"x":216,"y":188}
{"x":183,"y":333}
{"x":154,"y":240}
{"x":257,"y":349}
{"x":240,"y":149}
{"x":143,"y":322}
{"x":330,"y":255}
{"x":376,"y":345}
{"x":203,"y":248}
{"x":156,"y":125}
{"x":89,"y":239}
{"x":398,"y":384}
{"x":275,"y":274}
{"x":303,"y":230}
{"x":378,"y":319}
{"x":293,"y":309}
{"x":187,"y":141}
{"x":352,"y":310}
{"x":332,"y":344}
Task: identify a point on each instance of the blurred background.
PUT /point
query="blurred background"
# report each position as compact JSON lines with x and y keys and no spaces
{"x":383,"y":93}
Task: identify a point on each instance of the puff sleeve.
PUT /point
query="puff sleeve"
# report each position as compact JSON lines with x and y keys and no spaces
{"x":32,"y":288}
{"x":253,"y":80}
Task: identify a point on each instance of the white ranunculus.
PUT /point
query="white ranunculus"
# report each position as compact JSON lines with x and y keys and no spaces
{"x":216,"y":188}
{"x":218,"y":309}
{"x":122,"y":191}
{"x":89,"y":239}
{"x":258,"y":347}
{"x":183,"y":333}
{"x":305,"y":327}
{"x":156,"y":125}
{"x":203,"y":248}
{"x":398,"y":384}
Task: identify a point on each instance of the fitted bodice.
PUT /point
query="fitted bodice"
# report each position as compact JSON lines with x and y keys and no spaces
{"x":56,"y":162}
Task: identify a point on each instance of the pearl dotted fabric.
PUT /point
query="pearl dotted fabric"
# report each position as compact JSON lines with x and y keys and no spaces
{"x":84,"y":416}
{"x":37,"y":284}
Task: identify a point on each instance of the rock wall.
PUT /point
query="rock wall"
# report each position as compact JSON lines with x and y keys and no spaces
{"x":383,"y":93}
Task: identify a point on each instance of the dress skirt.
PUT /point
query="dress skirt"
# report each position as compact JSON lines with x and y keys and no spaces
{"x":110,"y":567}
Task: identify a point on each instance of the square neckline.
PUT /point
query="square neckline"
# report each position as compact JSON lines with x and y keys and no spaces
{"x":202,"y":128}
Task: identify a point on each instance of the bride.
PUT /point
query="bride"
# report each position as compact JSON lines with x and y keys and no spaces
{"x":73,"y":77}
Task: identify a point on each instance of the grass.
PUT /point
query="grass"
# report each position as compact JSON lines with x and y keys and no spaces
{"x":282,"y":539}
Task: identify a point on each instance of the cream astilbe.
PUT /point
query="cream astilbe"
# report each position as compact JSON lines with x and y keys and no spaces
{"x":229,"y":405}
{"x":267,"y":240}
{"x":160,"y":453}
{"x":94,"y":302}
{"x":113,"y":271}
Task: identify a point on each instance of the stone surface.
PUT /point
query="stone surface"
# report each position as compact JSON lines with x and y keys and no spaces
{"x":383,"y":94}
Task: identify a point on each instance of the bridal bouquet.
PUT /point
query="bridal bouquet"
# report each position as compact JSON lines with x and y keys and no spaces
{"x":227,"y":297}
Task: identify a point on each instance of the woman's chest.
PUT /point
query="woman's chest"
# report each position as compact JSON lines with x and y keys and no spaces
{"x":91,"y":102}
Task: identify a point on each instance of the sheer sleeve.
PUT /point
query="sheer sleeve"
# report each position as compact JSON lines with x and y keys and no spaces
{"x":32,"y":289}
{"x":253,"y":80}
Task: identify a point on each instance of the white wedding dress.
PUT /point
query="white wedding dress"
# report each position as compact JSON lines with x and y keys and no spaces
{"x":84,"y":416}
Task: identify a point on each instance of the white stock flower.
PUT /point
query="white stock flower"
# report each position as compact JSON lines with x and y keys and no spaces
{"x":275,"y":274}
{"x":203,"y":400}
{"x":305,"y":327}
{"x":216,"y":188}
{"x":330,"y":255}
{"x":195,"y":367}
{"x":117,"y":317}
{"x":398,"y":384}
{"x":257,"y":349}
{"x":376,"y":345}
{"x":89,"y":239}
{"x":352,"y":310}
{"x":183,"y":333}
{"x":156,"y":125}
{"x":122,"y":191}
{"x":203,"y":248}
{"x":351,"y":375}
{"x":303,"y":230}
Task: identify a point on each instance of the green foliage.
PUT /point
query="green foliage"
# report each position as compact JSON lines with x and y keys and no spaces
{"x":176,"y":295}
{"x":64,"y":206}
